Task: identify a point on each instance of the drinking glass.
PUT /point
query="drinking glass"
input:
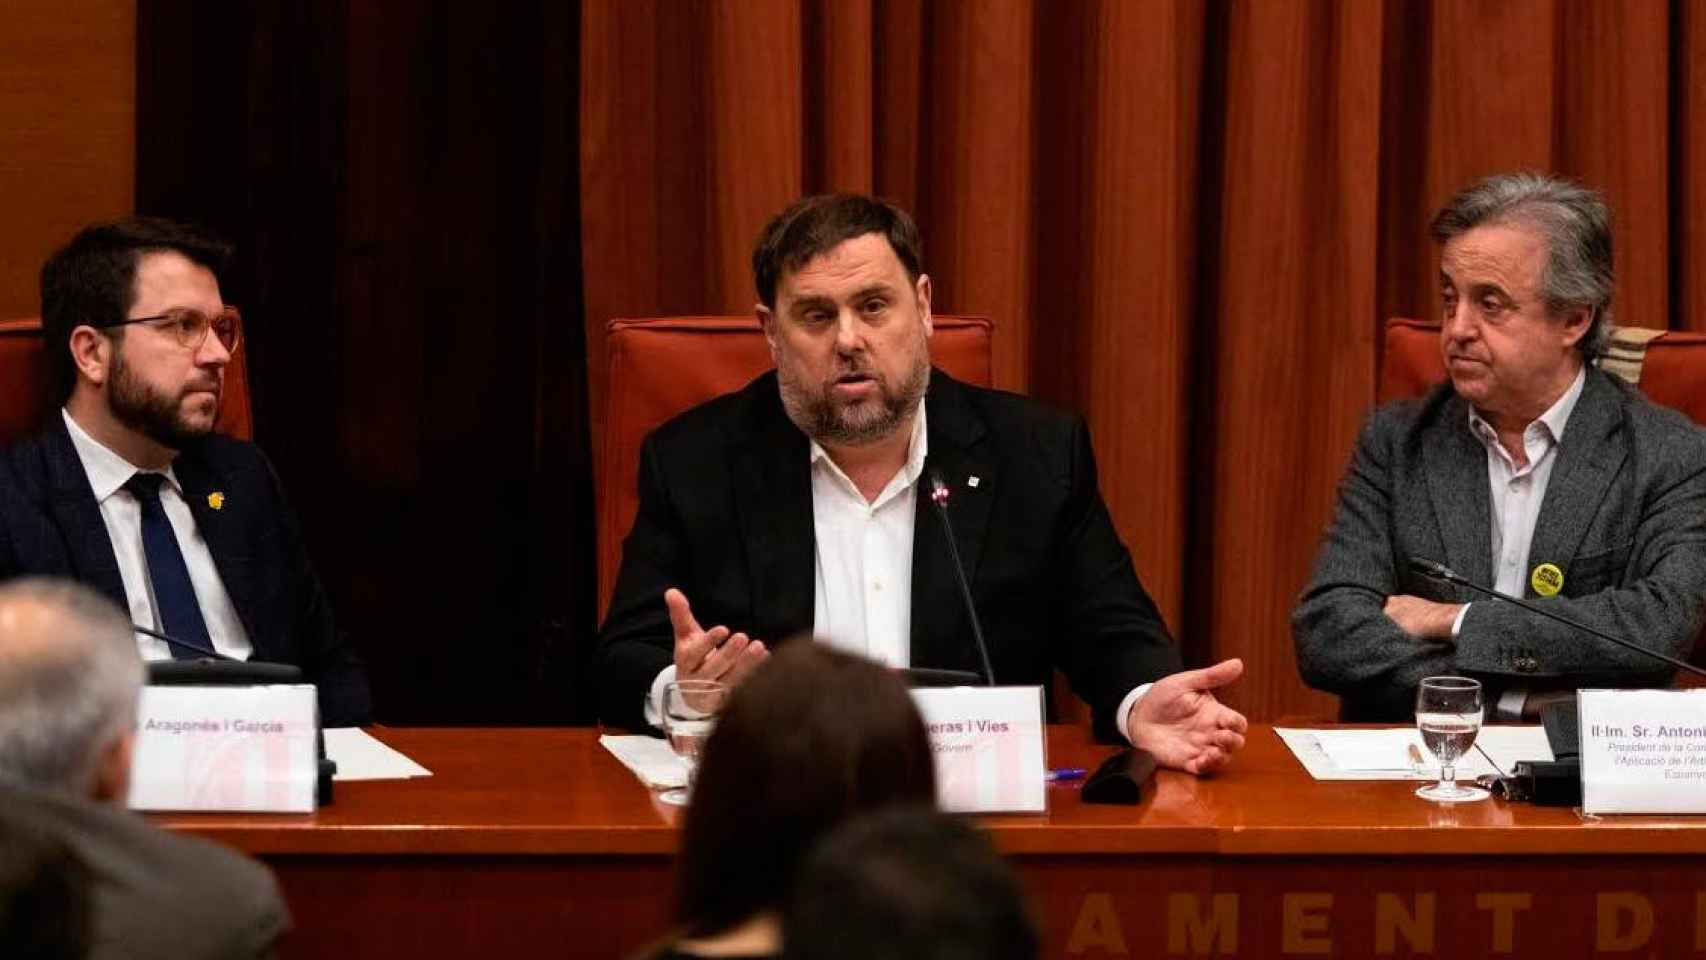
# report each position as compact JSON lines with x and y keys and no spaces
{"x":690,"y":709}
{"x":1448,"y":713}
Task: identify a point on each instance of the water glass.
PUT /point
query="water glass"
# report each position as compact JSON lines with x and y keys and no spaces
{"x":1448,"y":713}
{"x":690,"y":709}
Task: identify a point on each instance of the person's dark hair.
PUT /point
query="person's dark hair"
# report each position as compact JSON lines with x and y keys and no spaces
{"x":907,"y":885}
{"x":1576,"y":225}
{"x":813,"y":737}
{"x":92,"y":280}
{"x":816,"y":225}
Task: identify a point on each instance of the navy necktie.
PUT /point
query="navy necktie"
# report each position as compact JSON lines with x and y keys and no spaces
{"x":174,"y":595}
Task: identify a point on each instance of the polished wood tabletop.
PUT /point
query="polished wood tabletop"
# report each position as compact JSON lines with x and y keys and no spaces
{"x":526,"y":840}
{"x":557,"y":791}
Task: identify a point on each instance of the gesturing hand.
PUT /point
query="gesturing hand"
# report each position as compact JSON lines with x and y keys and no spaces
{"x":712,"y":654}
{"x":1181,"y":723}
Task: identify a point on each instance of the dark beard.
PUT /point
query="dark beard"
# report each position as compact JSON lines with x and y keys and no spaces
{"x":147,"y":411}
{"x":816,"y":414}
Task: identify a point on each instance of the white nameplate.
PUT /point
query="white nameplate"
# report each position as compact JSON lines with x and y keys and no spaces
{"x":1643,"y":751}
{"x":989,"y":744}
{"x":225,"y":748}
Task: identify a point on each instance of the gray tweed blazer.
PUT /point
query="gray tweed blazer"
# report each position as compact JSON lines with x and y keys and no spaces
{"x":1624,"y":517}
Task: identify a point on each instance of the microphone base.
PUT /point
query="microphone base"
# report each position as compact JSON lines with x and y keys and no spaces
{"x":1547,"y":783}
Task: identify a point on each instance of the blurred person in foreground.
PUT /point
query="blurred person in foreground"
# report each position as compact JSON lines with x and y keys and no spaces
{"x":809,"y":740}
{"x":907,"y":885}
{"x":128,"y":488}
{"x":801,"y":505}
{"x":44,"y":897}
{"x":1531,"y":470}
{"x":70,"y":677}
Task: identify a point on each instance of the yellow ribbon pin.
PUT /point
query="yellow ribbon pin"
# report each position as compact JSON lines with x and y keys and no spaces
{"x":1547,"y":580}
{"x":216,"y":500}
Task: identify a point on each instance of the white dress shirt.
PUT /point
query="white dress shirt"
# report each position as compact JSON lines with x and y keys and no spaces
{"x":1517,"y":493}
{"x":108,"y":472}
{"x":862,"y":596}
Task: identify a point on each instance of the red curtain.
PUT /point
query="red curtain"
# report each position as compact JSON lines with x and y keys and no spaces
{"x":1187,"y":220}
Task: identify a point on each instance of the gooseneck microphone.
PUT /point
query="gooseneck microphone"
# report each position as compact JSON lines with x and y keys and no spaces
{"x":939,"y":496}
{"x":175,"y":642}
{"x":1434,"y":570}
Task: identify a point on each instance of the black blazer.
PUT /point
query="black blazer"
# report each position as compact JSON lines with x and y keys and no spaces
{"x":51,"y":525}
{"x":725,"y":514}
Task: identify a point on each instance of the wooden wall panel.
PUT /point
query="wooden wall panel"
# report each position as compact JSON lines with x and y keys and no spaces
{"x":67,"y":130}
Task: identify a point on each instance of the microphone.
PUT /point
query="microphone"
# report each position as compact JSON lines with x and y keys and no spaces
{"x":939,"y":496}
{"x":1434,"y":570}
{"x":175,"y":642}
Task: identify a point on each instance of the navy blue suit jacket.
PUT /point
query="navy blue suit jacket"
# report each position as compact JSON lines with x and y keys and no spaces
{"x":50,"y":525}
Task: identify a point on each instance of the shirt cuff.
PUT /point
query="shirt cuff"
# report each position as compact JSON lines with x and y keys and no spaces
{"x":654,"y":697}
{"x":1457,"y":625}
{"x":1510,"y":705}
{"x":1123,"y":714}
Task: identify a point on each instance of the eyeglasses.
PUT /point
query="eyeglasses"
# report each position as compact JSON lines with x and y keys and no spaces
{"x":190,"y":327}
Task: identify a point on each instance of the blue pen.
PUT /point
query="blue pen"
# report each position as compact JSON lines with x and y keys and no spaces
{"x":1067,"y":773}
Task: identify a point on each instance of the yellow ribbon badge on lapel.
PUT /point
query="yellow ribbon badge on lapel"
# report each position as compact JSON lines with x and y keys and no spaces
{"x":216,"y":500}
{"x":1547,"y":580}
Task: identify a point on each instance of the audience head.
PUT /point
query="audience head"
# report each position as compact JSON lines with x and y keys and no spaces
{"x":160,"y":377}
{"x":70,"y":676}
{"x":907,"y":884}
{"x":812,"y":738}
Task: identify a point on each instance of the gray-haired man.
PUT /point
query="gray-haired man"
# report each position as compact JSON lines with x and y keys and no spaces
{"x":1531,"y":471}
{"x":70,"y":676}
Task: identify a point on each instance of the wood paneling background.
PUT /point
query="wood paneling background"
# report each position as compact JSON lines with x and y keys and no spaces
{"x":1187,"y":219}
{"x":68,"y":140}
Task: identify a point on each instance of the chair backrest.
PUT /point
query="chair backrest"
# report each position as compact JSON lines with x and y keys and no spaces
{"x":24,"y":374}
{"x":1668,"y":366}
{"x":661,"y":367}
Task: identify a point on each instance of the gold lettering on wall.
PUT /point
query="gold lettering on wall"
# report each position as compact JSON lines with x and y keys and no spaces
{"x":1504,"y":907}
{"x":1188,"y":931}
{"x":1097,"y":927}
{"x":1625,"y":922}
{"x":1304,"y":923}
{"x":1392,"y":917}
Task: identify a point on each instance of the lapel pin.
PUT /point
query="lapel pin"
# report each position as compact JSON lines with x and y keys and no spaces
{"x":216,"y":500}
{"x":1547,"y":580}
{"x":972,"y":481}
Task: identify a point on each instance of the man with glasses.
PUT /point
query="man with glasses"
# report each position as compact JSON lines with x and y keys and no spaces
{"x":128,"y":489}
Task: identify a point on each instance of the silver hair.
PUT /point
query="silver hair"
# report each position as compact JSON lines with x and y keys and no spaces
{"x":1576,"y":225}
{"x":65,"y":698}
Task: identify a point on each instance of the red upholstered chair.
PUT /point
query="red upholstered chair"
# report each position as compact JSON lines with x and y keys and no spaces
{"x":23,"y":379}
{"x":661,"y":367}
{"x":1668,"y":366}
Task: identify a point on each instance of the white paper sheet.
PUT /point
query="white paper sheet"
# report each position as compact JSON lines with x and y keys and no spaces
{"x":648,"y":758}
{"x":1383,"y":754}
{"x":361,"y":757}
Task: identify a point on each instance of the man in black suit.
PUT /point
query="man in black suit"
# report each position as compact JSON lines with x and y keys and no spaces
{"x":69,"y":681}
{"x":128,"y":489}
{"x":801,"y":503}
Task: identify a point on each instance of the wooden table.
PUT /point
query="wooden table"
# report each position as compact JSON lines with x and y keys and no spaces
{"x":536,"y":842}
